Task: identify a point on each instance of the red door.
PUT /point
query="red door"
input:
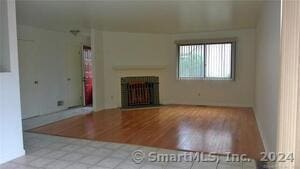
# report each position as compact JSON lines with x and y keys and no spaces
{"x":88,"y":76}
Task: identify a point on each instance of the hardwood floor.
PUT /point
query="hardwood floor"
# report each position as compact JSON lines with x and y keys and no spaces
{"x":192,"y":128}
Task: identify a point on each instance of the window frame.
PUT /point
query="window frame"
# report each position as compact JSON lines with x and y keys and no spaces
{"x":205,"y":42}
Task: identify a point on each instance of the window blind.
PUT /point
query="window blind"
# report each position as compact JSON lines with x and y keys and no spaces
{"x":207,"y":61}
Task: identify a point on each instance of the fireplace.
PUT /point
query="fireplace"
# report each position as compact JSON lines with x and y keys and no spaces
{"x":141,"y":91}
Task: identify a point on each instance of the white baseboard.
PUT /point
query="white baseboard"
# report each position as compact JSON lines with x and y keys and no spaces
{"x":171,"y":103}
{"x":211,"y":104}
{"x":11,"y":156}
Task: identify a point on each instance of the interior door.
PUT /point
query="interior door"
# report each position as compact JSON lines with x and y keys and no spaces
{"x":88,"y":76}
{"x":74,"y":75}
{"x":29,"y":82}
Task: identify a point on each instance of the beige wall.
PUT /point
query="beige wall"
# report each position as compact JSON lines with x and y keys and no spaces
{"x":138,"y":54}
{"x":4,"y":54}
{"x":268,"y":73}
{"x":239,"y":92}
{"x":131,"y":50}
{"x":289,"y":83}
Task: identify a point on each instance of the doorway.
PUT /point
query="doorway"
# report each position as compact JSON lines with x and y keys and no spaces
{"x":87,"y":76}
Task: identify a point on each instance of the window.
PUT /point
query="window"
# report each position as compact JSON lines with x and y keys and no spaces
{"x":212,"y":60}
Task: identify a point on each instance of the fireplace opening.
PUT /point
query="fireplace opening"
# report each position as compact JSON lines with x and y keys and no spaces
{"x":139,"y":91}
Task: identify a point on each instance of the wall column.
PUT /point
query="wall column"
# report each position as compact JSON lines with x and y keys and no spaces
{"x":289,"y":86}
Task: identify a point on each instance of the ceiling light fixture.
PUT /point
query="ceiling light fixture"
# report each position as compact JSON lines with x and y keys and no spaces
{"x":74,"y":32}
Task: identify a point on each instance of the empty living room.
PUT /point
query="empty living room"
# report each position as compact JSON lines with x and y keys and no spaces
{"x":111,"y":84}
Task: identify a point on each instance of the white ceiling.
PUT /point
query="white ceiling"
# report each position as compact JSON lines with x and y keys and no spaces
{"x":139,"y":16}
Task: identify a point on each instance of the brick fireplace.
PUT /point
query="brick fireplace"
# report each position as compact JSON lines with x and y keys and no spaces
{"x":139,"y":91}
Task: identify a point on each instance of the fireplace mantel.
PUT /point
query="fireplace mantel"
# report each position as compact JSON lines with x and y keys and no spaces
{"x":139,"y":67}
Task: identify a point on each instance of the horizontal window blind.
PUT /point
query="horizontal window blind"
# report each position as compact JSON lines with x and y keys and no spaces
{"x":207,"y":61}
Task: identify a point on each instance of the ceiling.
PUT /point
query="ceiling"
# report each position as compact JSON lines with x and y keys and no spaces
{"x":139,"y":16}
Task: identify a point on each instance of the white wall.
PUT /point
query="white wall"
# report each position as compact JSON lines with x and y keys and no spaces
{"x":11,"y":140}
{"x":54,"y":58}
{"x":268,"y":73}
{"x":98,"y":70}
{"x":140,"y":54}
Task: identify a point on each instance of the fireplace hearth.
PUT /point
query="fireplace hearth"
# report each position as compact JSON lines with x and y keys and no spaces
{"x":140,"y":91}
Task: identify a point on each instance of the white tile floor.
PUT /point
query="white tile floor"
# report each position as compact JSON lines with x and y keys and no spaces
{"x":52,"y":152}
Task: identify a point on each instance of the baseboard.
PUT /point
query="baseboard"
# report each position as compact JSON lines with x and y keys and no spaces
{"x":12,"y":156}
{"x":212,"y":104}
{"x":183,"y":104}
